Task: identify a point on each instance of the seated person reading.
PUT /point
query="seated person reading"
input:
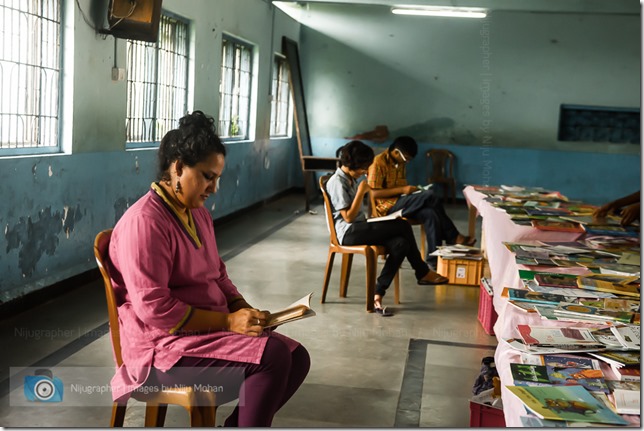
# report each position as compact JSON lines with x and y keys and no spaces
{"x":183,"y":321}
{"x":346,"y":193}
{"x":387,"y":178}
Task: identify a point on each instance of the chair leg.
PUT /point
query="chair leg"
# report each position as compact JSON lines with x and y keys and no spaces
{"x":397,"y":287}
{"x":155,"y":414}
{"x":372,"y":267}
{"x":208,"y":405}
{"x":327,"y":275}
{"x":347,"y":259}
{"x":118,"y":415}
{"x":195,"y":416}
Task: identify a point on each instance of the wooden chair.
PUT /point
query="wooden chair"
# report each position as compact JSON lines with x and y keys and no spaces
{"x":441,"y":171}
{"x":370,"y":252}
{"x":200,"y":405}
{"x":413,"y":222}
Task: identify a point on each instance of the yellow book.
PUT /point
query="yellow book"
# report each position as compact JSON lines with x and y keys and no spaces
{"x":617,"y":284}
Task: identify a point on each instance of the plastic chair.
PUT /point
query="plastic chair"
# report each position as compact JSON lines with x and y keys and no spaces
{"x":200,"y":405}
{"x":413,"y":222}
{"x":370,"y":252}
{"x":441,"y":171}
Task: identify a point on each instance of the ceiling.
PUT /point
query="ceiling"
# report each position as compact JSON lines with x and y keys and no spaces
{"x":561,"y":6}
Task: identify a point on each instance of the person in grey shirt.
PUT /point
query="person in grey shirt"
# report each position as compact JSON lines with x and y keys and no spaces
{"x":346,"y":194}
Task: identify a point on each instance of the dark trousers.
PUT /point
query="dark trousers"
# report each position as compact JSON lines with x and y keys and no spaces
{"x":398,"y":238}
{"x":266,"y":386}
{"x":427,"y":208}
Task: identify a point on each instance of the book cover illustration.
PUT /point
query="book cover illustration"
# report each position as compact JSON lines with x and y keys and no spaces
{"x":620,"y":359}
{"x":565,"y":403}
{"x":592,"y":313}
{"x":556,"y":280}
{"x":570,"y":361}
{"x":591,"y":379}
{"x":529,"y":374}
{"x":620,"y":285}
{"x":559,"y":226}
{"x":537,"y":297}
{"x":551,"y":336}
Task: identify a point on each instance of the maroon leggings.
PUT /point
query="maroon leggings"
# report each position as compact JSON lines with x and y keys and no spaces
{"x":266,"y":387}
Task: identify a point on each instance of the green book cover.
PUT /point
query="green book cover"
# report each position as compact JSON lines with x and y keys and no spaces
{"x":565,"y":403}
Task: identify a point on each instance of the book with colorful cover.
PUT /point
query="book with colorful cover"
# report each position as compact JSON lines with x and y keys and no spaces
{"x":591,"y":379}
{"x":536,"y":297}
{"x":619,"y":359}
{"x":565,"y":403}
{"x":553,"y":336}
{"x":559,"y":226}
{"x":529,"y":375}
{"x":619,"y":285}
{"x":612,"y":230}
{"x":570,"y":361}
{"x":588,"y":312}
{"x":556,"y":280}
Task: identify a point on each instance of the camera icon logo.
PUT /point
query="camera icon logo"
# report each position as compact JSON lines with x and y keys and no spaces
{"x":43,"y":387}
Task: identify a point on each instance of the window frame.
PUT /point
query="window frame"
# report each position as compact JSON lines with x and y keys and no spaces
{"x":246,"y":136}
{"x":144,"y":144}
{"x":37,"y":147}
{"x":280,"y":64}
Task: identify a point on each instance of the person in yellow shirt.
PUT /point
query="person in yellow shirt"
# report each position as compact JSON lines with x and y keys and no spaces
{"x":387,"y":178}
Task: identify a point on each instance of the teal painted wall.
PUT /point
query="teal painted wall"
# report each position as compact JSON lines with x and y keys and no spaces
{"x":53,"y":206}
{"x":488,"y":90}
{"x":575,"y":174}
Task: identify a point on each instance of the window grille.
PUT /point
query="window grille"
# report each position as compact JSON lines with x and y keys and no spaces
{"x":281,"y":108}
{"x":235,"y":89}
{"x":157,"y":83}
{"x":29,"y":76}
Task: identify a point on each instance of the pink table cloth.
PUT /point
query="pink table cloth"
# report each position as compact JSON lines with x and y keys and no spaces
{"x":499,"y":228}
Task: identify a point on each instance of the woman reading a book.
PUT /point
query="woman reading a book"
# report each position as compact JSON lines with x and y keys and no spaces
{"x":346,"y":195}
{"x":183,"y":321}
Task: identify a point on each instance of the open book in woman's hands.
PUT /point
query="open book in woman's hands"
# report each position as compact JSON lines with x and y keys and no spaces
{"x":298,"y":310}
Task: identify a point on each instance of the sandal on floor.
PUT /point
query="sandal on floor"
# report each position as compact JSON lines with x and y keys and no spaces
{"x":437,"y":280}
{"x":382,"y":311}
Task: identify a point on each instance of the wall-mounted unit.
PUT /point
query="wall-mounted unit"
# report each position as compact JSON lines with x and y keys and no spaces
{"x":134,"y":19}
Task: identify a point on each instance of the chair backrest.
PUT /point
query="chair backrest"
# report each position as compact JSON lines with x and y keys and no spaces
{"x":328,"y":209}
{"x":101,"y":248}
{"x":441,"y":164}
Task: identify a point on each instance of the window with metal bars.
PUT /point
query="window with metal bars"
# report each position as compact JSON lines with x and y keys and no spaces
{"x":281,"y":107}
{"x":30,"y":78}
{"x":157,"y":83}
{"x":235,"y":88}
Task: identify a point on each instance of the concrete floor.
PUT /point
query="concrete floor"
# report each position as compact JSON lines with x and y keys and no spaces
{"x":414,"y":369}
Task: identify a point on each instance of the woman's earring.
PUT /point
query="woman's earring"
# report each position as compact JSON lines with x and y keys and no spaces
{"x":177,"y":188}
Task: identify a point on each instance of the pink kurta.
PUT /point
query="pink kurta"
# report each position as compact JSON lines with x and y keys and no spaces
{"x":158,"y":275}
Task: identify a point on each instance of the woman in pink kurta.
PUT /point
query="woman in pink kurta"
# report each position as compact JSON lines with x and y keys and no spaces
{"x":182,"y":320}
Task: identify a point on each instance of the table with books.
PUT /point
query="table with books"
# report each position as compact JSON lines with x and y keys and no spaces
{"x":569,"y":323}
